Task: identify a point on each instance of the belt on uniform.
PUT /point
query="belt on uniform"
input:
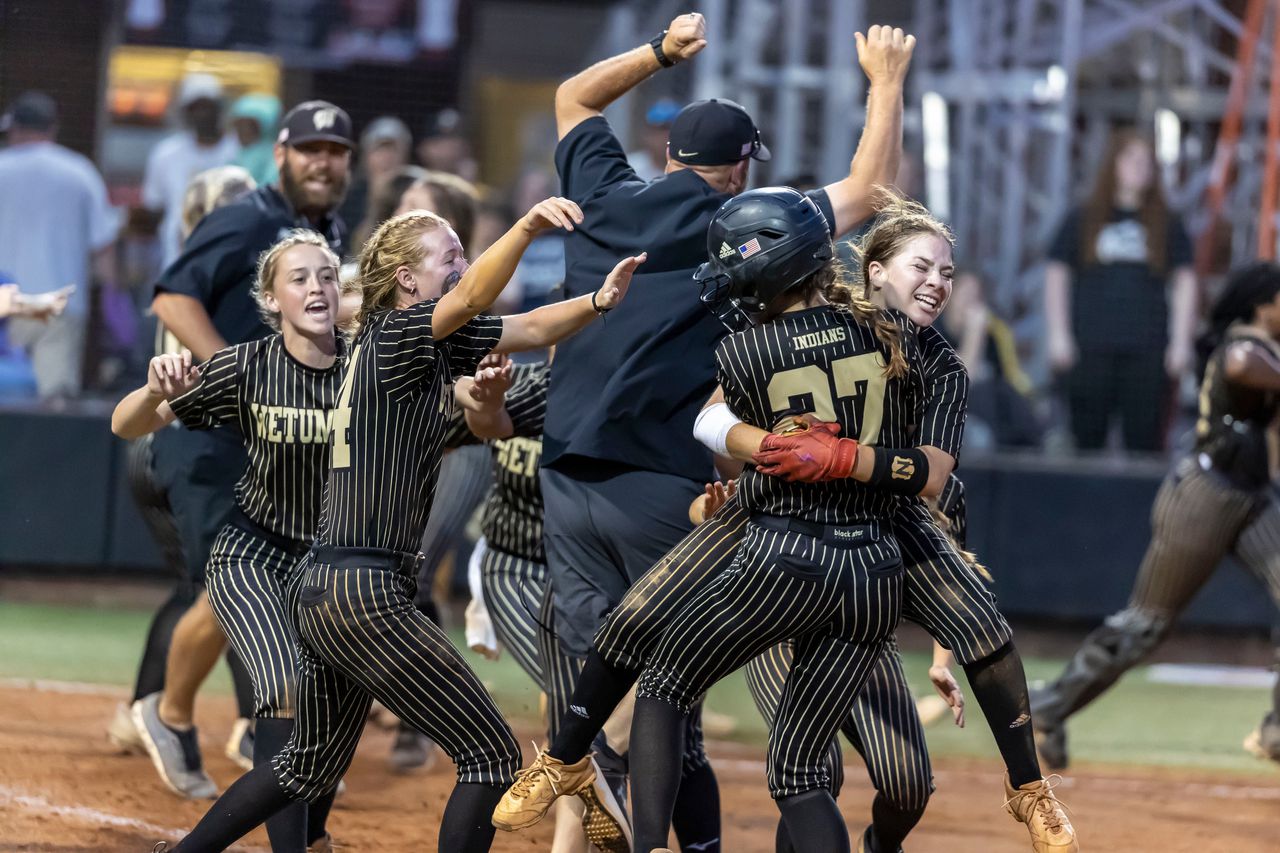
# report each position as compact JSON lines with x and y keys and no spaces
{"x":241,"y":521}
{"x":834,"y":534}
{"x":366,"y":558}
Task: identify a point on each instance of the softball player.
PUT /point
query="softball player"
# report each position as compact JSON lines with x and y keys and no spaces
{"x":278,"y":394}
{"x":360,"y":636}
{"x":1217,"y":501}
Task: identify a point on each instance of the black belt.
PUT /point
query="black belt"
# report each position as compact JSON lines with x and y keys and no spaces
{"x":296,"y":547}
{"x":366,"y":558}
{"x":832,"y":534}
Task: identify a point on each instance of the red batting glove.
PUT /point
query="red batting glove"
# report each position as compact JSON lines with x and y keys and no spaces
{"x":812,"y":456}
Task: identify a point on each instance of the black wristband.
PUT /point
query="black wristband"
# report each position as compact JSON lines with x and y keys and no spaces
{"x":656,"y":43}
{"x":597,"y":308}
{"x":903,"y":472}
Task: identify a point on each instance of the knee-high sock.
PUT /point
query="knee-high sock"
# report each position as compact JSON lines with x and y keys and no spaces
{"x":155,"y":653}
{"x":467,"y":825}
{"x":287,"y":828}
{"x":657,"y":751}
{"x":253,"y":798}
{"x":599,"y":689}
{"x":243,"y":684}
{"x":814,"y":817}
{"x":1000,"y":686}
{"x":891,"y":824}
{"x":318,"y":816}
{"x":696,"y":818}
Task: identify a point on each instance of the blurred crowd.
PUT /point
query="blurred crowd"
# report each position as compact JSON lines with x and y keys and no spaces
{"x":1100,"y":355}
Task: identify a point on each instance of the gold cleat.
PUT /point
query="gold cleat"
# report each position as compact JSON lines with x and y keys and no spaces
{"x":1035,"y":805}
{"x":527,"y":801}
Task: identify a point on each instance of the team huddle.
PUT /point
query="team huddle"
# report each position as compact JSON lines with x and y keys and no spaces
{"x":740,"y":453}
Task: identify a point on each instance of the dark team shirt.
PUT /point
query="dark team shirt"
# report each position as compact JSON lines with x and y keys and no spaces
{"x":822,"y":361}
{"x":512,"y":517}
{"x":389,"y":424}
{"x":220,"y":259}
{"x":1118,"y":303}
{"x":628,"y":389}
{"x":946,"y":403}
{"x":283,"y":411}
{"x":1233,"y":422}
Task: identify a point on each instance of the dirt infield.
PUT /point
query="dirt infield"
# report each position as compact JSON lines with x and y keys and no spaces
{"x":62,"y":788}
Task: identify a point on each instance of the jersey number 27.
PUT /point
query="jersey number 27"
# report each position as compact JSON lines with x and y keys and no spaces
{"x":857,"y":376}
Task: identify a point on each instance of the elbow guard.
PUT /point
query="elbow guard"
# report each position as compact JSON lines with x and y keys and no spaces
{"x":903,"y":472}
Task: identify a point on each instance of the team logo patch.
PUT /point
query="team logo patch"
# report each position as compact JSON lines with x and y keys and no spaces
{"x":726,"y":251}
{"x":749,"y":248}
{"x":903,"y":468}
{"x":324,"y":119}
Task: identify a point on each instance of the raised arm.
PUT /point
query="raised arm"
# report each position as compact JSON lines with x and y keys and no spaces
{"x":588,"y":92}
{"x":147,"y":409}
{"x":485,"y":279}
{"x":885,"y":55}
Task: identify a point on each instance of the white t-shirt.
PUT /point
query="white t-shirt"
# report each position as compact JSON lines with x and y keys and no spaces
{"x":54,"y":214}
{"x":171,"y":165}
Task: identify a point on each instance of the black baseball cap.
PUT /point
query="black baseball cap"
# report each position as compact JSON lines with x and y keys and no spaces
{"x":31,"y":111}
{"x":714,"y":132}
{"x":310,"y":121}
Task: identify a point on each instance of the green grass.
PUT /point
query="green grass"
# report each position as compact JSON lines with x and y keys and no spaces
{"x":1139,"y":722}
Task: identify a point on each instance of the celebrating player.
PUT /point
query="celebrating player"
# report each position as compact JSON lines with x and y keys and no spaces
{"x":277,"y":393}
{"x":1215,"y":502}
{"x":421,"y":327}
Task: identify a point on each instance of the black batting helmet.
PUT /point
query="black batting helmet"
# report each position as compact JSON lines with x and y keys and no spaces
{"x":762,"y":243}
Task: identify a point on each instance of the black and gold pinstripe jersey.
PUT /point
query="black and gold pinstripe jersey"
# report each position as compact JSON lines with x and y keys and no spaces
{"x":389,"y":424}
{"x":1232,"y":427}
{"x":512,"y":517}
{"x":821,"y":361}
{"x":941,"y":422}
{"x":283,"y":409}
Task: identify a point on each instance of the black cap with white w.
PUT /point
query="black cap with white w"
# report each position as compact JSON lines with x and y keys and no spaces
{"x":714,"y":132}
{"x":310,"y":121}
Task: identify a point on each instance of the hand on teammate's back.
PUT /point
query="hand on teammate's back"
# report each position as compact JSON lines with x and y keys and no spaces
{"x":549,"y":214}
{"x":615,"y":285}
{"x":172,"y":375}
{"x":885,"y":53}
{"x":686,"y":35}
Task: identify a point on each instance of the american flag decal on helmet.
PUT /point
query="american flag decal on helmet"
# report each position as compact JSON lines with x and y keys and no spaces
{"x":749,"y":248}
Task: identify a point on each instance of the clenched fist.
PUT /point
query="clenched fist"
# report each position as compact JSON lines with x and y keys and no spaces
{"x":885,"y":54}
{"x":685,"y":37}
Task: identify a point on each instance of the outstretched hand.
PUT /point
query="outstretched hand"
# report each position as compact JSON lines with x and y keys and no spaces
{"x":686,"y":35}
{"x":885,"y":54}
{"x":614,"y":289}
{"x":551,"y":213}
{"x":170,"y":376}
{"x":492,"y":380}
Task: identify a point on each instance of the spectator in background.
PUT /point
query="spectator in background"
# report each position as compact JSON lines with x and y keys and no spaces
{"x":1001,"y":412}
{"x":1120,"y":301}
{"x":56,"y":229}
{"x":383,"y":202}
{"x":541,"y":269}
{"x":200,"y":145}
{"x":650,"y":159}
{"x":254,"y":118}
{"x":384,"y":150}
{"x":449,"y":196}
{"x":444,"y":149}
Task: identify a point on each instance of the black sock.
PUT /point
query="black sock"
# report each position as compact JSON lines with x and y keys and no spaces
{"x":467,"y":825}
{"x":696,"y":818}
{"x":599,"y":689}
{"x":155,"y":653}
{"x":246,"y":707}
{"x":890,"y":825}
{"x":287,"y":828}
{"x":253,"y":798}
{"x":318,"y":816}
{"x":1000,"y":686}
{"x":814,"y":817}
{"x":656,"y":756}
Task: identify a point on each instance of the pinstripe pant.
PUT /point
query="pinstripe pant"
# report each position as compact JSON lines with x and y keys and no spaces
{"x":839,"y":604}
{"x":361,"y":639}
{"x":1198,"y":518}
{"x":518,"y":595}
{"x":883,"y":726}
{"x":249,"y":581}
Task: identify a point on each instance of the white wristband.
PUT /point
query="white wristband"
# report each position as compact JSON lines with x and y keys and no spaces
{"x":712,"y":426}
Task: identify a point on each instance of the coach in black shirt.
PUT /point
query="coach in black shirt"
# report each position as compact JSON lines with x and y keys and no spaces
{"x":620,"y":463}
{"x":203,"y":298}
